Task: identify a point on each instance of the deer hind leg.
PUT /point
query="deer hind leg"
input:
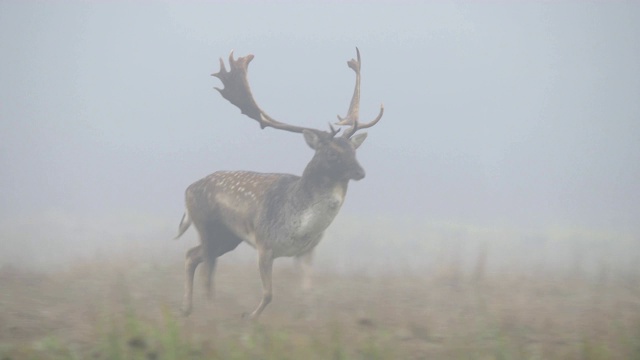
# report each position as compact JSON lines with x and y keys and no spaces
{"x":265,"y":265}
{"x":219,"y":242}
{"x":210,"y":268}
{"x":194,"y":257}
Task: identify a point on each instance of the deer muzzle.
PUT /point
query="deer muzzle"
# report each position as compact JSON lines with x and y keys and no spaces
{"x":358,"y":173}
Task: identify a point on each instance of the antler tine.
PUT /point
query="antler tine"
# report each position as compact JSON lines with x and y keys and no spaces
{"x":354,"y":108}
{"x":238,"y":92}
{"x":333,"y":131}
{"x":353,"y":114}
{"x":358,"y":126}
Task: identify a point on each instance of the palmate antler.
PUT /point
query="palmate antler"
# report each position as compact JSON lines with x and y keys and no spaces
{"x":238,"y":92}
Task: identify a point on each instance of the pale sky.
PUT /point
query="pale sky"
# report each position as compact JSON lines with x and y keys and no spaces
{"x":517,"y":113}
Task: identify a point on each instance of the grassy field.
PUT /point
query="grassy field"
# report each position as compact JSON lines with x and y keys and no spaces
{"x":128,"y":309}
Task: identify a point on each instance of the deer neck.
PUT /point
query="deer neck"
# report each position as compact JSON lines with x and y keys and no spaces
{"x":320,"y":198}
{"x":318,"y":182}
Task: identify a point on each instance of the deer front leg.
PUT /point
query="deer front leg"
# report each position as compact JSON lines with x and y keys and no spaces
{"x":193,"y":259}
{"x":265,"y":265}
{"x":304,"y":262}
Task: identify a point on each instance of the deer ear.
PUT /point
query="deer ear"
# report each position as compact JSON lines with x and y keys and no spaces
{"x":358,"y":139}
{"x":312,"y":139}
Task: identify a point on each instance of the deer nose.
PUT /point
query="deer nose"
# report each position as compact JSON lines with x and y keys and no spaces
{"x":358,"y":174}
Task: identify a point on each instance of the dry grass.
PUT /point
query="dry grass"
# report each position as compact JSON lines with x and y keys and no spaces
{"x":127,"y":309}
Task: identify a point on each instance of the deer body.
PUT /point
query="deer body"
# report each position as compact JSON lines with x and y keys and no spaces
{"x":278,"y":214}
{"x":289,"y":218}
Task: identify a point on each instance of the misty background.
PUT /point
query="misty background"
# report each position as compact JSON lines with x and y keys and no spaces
{"x":514,"y":123}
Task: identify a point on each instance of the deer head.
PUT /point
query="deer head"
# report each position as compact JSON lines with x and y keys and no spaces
{"x":335,"y":157}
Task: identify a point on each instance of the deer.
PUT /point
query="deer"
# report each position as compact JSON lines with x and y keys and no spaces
{"x":280,"y":215}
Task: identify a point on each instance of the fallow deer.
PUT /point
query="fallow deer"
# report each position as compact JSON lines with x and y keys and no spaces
{"x":278,"y":214}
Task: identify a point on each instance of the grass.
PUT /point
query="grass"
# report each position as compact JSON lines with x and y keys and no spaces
{"x":128,"y":310}
{"x":133,"y":338}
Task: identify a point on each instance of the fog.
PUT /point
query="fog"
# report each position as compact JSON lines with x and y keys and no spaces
{"x":516,"y":123}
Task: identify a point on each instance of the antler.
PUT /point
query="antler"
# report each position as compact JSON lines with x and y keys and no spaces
{"x":237,"y":91}
{"x":354,"y":108}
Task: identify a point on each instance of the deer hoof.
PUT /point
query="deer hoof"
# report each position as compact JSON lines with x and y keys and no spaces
{"x":249,"y":317}
{"x":185,"y":311}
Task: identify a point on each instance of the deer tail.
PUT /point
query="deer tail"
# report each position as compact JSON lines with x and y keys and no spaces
{"x":184,"y":224}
